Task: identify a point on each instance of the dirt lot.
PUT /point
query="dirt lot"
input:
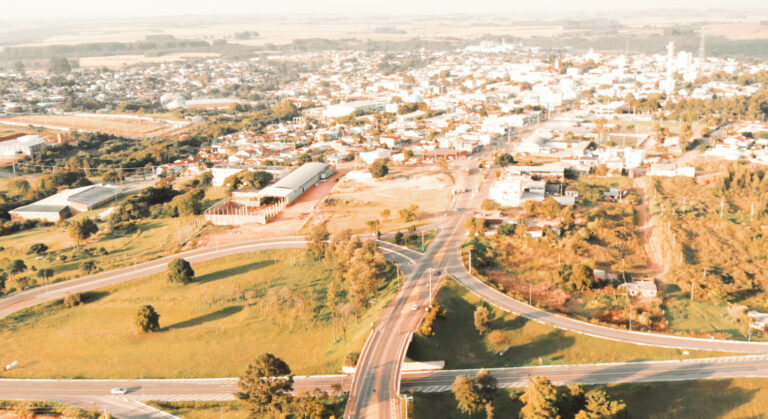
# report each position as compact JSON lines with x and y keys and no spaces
{"x":138,"y":128}
{"x":356,"y":202}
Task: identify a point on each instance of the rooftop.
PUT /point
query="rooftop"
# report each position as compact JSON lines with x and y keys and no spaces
{"x":95,"y":195}
{"x":301,"y":176}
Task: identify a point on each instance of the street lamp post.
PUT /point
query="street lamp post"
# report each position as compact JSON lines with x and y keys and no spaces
{"x":406,"y":398}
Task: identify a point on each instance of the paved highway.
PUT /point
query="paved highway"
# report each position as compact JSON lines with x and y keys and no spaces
{"x":629,"y":372}
{"x":376,"y":386}
{"x":95,"y":393}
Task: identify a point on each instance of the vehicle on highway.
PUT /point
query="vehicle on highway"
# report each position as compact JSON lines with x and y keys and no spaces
{"x":414,"y":307}
{"x":118,"y":391}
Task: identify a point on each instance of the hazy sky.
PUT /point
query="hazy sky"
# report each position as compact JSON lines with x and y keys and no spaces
{"x":53,"y":9}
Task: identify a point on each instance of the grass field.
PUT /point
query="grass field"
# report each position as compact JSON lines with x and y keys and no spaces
{"x":458,"y":343}
{"x":238,"y":307}
{"x":204,"y":410}
{"x":725,"y":399}
{"x":154,"y":238}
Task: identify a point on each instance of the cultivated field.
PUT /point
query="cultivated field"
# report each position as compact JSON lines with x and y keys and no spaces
{"x":237,"y":308}
{"x":110,"y":124}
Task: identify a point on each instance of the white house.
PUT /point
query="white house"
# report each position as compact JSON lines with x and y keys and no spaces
{"x":370,"y":156}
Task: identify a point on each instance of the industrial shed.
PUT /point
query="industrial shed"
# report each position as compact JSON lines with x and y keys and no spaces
{"x":67,"y":203}
{"x":91,"y":198}
{"x":42,"y":212}
{"x":293,"y":185}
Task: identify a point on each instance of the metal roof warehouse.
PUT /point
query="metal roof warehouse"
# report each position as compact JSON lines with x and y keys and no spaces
{"x":296,"y":183}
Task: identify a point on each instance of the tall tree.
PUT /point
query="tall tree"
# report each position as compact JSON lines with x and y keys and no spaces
{"x":180,"y":271}
{"x":487,"y":387}
{"x":465,"y":391}
{"x":540,"y":399}
{"x":82,"y":229}
{"x":266,"y":385}
{"x":317,"y":237}
{"x":598,"y":406}
{"x":482,"y":319}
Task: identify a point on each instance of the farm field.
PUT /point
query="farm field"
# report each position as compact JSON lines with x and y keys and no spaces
{"x":237,"y":308}
{"x":351,"y":203}
{"x":723,"y":399}
{"x":116,"y":125}
{"x":457,"y":342}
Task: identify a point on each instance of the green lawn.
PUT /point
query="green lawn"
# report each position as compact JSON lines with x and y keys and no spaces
{"x":154,"y":238}
{"x":734,"y":398}
{"x":457,"y":342}
{"x":699,"y":317}
{"x":238,"y":307}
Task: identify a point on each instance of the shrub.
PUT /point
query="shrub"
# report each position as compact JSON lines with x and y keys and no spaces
{"x":71,"y":300}
{"x":147,"y":319}
{"x":180,"y":271}
{"x":351,"y":358}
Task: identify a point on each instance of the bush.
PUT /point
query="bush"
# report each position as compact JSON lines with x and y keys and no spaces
{"x":88,"y":266}
{"x":399,"y":238}
{"x":71,"y":300}
{"x":506,"y":229}
{"x":379,"y":168}
{"x":147,"y":319}
{"x":490,"y":205}
{"x":351,"y":358}
{"x":38,"y":249}
{"x":180,"y":271}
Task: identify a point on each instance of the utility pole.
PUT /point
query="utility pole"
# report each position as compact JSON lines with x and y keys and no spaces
{"x":722,"y":206}
{"x":530,"y":294}
{"x":430,"y":287}
{"x":45,"y":275}
{"x":14,"y":168}
{"x":470,"y":261}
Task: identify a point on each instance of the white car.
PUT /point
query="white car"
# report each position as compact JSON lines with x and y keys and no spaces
{"x":414,"y":307}
{"x":118,"y":391}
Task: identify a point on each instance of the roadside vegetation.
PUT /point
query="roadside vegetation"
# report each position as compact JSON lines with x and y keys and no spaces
{"x":464,"y":339}
{"x":710,"y":235}
{"x":570,"y":259}
{"x":35,"y":408}
{"x":727,"y":399}
{"x":281,"y":301}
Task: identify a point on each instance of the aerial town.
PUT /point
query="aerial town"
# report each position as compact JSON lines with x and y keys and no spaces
{"x":388,"y":223}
